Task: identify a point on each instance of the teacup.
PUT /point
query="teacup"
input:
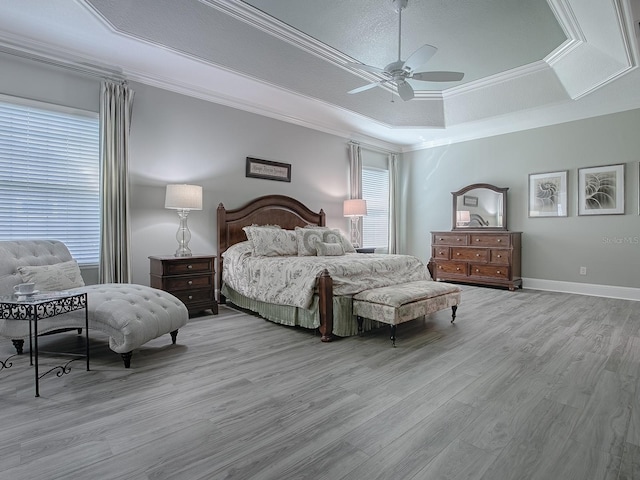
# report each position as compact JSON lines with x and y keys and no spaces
{"x":24,"y":288}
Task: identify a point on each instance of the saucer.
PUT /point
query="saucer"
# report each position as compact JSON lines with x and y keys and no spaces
{"x":18,"y":294}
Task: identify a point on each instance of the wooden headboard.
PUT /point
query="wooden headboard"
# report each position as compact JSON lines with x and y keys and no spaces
{"x":268,"y":210}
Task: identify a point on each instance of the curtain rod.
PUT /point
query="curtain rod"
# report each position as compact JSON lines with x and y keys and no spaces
{"x":372,"y":147}
{"x":89,"y":70}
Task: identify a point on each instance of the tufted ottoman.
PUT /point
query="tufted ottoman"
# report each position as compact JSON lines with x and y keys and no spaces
{"x":129,"y":314}
{"x":396,"y":304}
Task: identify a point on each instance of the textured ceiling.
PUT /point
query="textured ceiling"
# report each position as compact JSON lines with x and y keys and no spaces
{"x":522,"y":59}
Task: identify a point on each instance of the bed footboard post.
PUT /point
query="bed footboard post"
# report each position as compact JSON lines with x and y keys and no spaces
{"x":325,"y":292}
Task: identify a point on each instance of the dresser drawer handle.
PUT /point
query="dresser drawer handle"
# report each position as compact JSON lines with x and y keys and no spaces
{"x":477,"y":239}
{"x":190,"y":282}
{"x":440,"y":253}
{"x":439,"y":267}
{"x":189,"y":267}
{"x":458,"y":269}
{"x":498,"y":271}
{"x":190,"y":297}
{"x":499,"y":240}
{"x":499,"y":256}
{"x":477,"y":254}
{"x":458,"y":239}
{"x":477,"y":270}
{"x":458,"y":253}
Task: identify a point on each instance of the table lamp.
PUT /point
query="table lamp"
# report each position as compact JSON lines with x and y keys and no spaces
{"x":183,"y":198}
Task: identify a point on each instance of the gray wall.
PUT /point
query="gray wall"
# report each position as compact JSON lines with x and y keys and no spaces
{"x":178,"y":139}
{"x":553,"y":248}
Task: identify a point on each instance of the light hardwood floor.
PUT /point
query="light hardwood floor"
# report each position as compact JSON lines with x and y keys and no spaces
{"x":525,"y":385}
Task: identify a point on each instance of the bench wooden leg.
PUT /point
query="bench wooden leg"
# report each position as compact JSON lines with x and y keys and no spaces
{"x":393,"y":335}
{"x":174,"y":336}
{"x":453,"y":312}
{"x":126,"y":358}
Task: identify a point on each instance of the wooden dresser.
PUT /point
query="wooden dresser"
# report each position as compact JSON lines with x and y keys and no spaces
{"x":191,"y":279}
{"x":481,"y":258}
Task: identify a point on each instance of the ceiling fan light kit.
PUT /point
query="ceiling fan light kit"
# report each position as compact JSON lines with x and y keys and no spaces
{"x":398,"y":72}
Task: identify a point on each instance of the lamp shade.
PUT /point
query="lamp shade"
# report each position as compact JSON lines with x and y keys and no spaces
{"x":183,"y":197}
{"x":356,"y":207}
{"x":463,"y":216}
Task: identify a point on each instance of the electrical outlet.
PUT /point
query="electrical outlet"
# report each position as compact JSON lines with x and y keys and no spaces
{"x":583,"y":270}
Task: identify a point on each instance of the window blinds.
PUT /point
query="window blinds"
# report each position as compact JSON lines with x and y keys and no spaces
{"x":50,"y":176}
{"x":375,"y":190}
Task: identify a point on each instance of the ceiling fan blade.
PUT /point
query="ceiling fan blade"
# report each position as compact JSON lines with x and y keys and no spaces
{"x":438,"y":76}
{"x":404,"y":90}
{"x":420,"y":57}
{"x":366,"y":68}
{"x":367,"y":87}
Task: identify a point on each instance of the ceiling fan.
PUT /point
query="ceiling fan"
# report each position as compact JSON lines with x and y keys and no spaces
{"x":399,"y":72}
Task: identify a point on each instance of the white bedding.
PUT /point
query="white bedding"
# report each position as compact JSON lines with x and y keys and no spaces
{"x":291,"y":280}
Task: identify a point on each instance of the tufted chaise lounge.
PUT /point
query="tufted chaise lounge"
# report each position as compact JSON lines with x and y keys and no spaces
{"x":129,"y":314}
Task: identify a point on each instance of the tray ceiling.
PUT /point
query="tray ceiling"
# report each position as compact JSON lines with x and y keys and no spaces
{"x":522,"y":58}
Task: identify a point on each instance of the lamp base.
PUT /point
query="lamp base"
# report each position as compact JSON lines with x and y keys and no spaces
{"x":183,"y":236}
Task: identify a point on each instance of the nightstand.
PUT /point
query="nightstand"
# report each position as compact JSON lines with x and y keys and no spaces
{"x":366,"y":250}
{"x":191,"y":279}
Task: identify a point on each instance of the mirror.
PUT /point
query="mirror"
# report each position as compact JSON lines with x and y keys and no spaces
{"x":480,"y":206}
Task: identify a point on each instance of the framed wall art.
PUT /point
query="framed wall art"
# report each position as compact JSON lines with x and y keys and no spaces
{"x":601,"y":190}
{"x":470,"y":201}
{"x":257,"y":168}
{"x":548,"y":194}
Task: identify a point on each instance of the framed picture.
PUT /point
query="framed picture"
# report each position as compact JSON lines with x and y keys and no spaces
{"x":469,"y":201}
{"x":257,"y":168}
{"x":548,"y":194}
{"x":601,"y":190}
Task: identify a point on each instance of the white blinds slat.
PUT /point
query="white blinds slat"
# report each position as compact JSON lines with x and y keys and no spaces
{"x":49,"y":177}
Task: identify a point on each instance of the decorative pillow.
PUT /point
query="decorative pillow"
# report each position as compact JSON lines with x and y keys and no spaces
{"x":52,"y":278}
{"x":336,"y":236}
{"x":329,"y":249}
{"x":270,"y":241}
{"x":307,"y":238}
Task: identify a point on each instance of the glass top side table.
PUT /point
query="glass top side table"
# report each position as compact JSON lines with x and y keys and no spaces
{"x":32,"y":308}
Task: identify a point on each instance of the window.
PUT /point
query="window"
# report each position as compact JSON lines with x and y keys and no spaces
{"x":375,"y":190}
{"x":50,"y":176}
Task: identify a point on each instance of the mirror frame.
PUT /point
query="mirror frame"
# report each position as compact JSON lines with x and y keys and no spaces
{"x":462,"y":191}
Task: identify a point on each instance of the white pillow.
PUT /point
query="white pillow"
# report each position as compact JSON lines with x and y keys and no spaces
{"x":307,"y":238}
{"x":271,"y":242}
{"x":53,"y":278}
{"x":336,"y":236}
{"x":329,"y":249}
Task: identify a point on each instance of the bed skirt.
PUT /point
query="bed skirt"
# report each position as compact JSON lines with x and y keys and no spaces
{"x":344,"y":322}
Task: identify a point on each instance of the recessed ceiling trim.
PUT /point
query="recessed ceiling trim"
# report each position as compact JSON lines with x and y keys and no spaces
{"x":268,"y":24}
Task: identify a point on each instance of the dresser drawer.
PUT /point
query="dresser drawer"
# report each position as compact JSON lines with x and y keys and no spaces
{"x":455,"y":268}
{"x":495,"y":271}
{"x":440,"y":252}
{"x":500,"y":257}
{"x":188,"y":282}
{"x":492,"y":240}
{"x":470,"y":254}
{"x":449,"y":239}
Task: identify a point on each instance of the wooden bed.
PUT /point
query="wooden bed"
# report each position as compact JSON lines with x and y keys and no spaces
{"x":288,"y":213}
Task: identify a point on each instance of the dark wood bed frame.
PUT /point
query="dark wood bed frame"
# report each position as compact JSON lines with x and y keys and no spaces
{"x":288,"y":213}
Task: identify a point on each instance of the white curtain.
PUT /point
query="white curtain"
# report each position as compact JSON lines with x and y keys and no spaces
{"x":393,"y":203}
{"x":116,"y":103}
{"x":355,"y":190}
{"x":355,"y":170}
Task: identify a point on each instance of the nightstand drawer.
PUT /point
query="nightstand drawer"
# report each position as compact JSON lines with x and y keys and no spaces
{"x":186,"y":267}
{"x":449,"y":239}
{"x":188,"y":282}
{"x":191,"y":297}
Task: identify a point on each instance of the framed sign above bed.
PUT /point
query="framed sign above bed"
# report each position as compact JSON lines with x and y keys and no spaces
{"x":257,"y":168}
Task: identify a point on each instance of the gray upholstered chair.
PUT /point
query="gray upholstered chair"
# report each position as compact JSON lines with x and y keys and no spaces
{"x":129,"y":314}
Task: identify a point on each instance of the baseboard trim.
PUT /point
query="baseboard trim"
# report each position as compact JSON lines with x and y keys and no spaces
{"x":610,"y":291}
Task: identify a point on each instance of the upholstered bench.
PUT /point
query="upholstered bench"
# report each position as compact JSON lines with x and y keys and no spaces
{"x":131,"y":315}
{"x":407,"y":301}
